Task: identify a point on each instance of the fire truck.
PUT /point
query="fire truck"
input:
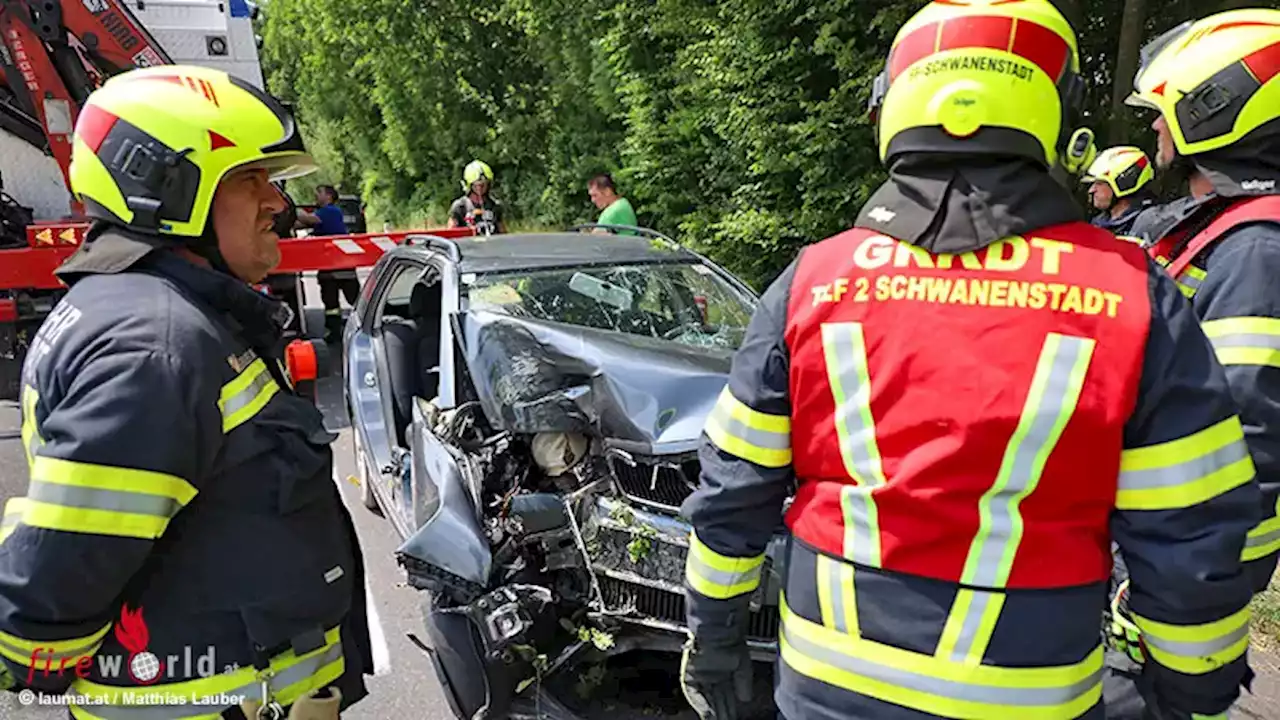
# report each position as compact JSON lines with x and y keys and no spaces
{"x":53,"y":54}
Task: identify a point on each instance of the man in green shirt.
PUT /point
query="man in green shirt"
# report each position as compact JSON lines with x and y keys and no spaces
{"x":616,"y":210}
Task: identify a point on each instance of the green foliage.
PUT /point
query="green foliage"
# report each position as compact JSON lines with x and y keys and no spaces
{"x":738,"y":126}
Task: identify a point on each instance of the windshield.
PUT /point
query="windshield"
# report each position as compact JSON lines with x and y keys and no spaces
{"x":683,"y":302}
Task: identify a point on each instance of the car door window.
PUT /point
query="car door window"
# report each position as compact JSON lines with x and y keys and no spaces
{"x":395,"y":301}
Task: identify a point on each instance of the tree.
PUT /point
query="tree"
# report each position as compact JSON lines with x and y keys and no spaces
{"x":1132,"y":23}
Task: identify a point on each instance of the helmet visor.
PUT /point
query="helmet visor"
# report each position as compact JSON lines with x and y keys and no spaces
{"x":282,"y":166}
{"x":1149,"y":53}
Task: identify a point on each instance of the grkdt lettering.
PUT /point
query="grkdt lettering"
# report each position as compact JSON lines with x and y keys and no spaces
{"x":1008,"y":255}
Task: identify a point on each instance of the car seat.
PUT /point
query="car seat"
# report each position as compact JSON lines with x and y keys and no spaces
{"x":425,"y":306}
{"x":400,"y":339}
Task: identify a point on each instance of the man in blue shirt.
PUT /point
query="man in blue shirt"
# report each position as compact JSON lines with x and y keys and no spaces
{"x":327,"y":220}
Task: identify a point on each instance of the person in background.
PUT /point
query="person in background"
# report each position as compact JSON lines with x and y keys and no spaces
{"x":1121,"y":187}
{"x":615,"y":210}
{"x":327,"y":220}
{"x":477,"y":209}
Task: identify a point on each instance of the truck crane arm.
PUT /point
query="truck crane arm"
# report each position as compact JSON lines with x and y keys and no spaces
{"x":56,"y":52}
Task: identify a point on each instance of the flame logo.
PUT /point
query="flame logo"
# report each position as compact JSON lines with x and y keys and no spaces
{"x":131,"y":631}
{"x":144,"y":667}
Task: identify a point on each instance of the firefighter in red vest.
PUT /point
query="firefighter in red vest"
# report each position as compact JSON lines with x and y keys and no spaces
{"x":1216,"y":86}
{"x":973,"y":392}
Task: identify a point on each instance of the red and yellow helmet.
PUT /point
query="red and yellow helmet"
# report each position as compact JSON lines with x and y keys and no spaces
{"x":1216,"y":81}
{"x":152,"y":145}
{"x":989,"y":77}
{"x":1125,"y":169}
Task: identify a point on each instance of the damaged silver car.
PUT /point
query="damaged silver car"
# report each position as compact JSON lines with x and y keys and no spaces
{"x":526,"y":412}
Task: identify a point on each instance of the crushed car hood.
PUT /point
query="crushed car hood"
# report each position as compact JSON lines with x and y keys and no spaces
{"x":645,"y":394}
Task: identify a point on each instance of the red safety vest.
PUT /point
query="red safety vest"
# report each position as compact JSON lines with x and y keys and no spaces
{"x":960,"y":417}
{"x":1254,"y":209}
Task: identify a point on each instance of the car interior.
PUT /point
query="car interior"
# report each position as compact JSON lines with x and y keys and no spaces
{"x":411,"y":337}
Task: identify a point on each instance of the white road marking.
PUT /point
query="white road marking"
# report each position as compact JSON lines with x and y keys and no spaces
{"x":377,"y":637}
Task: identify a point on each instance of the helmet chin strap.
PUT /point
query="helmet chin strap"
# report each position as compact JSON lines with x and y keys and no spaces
{"x":206,"y":246}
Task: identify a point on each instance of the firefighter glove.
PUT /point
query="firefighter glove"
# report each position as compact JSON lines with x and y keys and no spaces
{"x":1122,"y":634}
{"x":715,"y":679}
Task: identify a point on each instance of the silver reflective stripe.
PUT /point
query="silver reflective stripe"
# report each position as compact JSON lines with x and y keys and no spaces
{"x":101,"y":499}
{"x":1186,"y":472}
{"x":1188,"y":649}
{"x":1058,"y":379}
{"x":850,"y":383}
{"x":969,"y":628}
{"x":252,"y":689}
{"x":838,"y":600}
{"x":760,"y":438}
{"x":861,"y":526}
{"x":1253,"y":541}
{"x":10,"y":522}
{"x":990,"y":694}
{"x":1246,"y":340}
{"x":721,"y":577}
{"x":1190,"y":281}
{"x":239,"y":401}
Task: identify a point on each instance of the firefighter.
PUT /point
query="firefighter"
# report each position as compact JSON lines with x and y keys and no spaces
{"x":477,"y":209}
{"x":973,"y":392}
{"x":1119,"y":186}
{"x":181,"y":535}
{"x":327,"y":220}
{"x":1213,"y":85}
{"x":1225,"y":253}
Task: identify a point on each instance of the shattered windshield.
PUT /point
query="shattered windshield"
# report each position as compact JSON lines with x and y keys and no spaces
{"x":684,"y":302}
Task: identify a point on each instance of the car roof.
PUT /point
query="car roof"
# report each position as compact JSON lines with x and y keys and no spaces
{"x":531,"y":251}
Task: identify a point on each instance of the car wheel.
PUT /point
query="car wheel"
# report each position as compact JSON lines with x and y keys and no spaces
{"x":367,"y":496}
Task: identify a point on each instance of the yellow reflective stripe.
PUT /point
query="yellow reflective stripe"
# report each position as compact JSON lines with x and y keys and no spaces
{"x":50,"y":653}
{"x":935,"y":685}
{"x":719,"y":576}
{"x":1196,"y":649}
{"x":1183,"y":472}
{"x":754,"y":436}
{"x":1191,"y":272}
{"x":969,"y":627}
{"x":292,"y":677}
{"x":13,"y":510}
{"x":100,"y":499}
{"x":1264,"y":539}
{"x":1245,"y":340}
{"x":1055,"y":390}
{"x":845,"y":353}
{"x":31,"y":440}
{"x":837,"y":598}
{"x":244,"y":396}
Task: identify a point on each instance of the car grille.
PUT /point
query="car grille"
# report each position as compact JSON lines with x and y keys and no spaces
{"x":660,"y":484}
{"x":669,"y":606}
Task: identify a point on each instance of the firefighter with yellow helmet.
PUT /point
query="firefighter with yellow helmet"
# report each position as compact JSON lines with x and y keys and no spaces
{"x":181,"y":499}
{"x":1214,"y":85}
{"x":477,"y":209}
{"x":1119,"y":187}
{"x":968,"y":396}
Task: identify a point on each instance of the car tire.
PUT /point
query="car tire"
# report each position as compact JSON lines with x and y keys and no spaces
{"x":367,"y":496}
